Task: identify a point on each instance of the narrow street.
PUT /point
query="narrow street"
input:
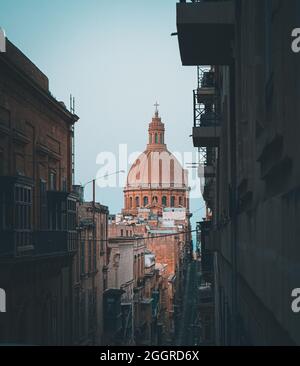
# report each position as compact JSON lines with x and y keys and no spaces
{"x":186,"y":333}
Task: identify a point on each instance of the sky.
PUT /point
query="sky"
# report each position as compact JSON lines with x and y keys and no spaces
{"x":117,"y":58}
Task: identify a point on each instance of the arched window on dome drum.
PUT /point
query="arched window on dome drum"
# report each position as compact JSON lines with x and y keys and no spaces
{"x":130,"y":202}
{"x":180,"y":201}
{"x":172,"y":201}
{"x":150,"y":138}
{"x":156,"y":138}
{"x":161,"y":139}
{"x":145,"y":201}
{"x":154,"y":199}
{"x":164,"y":200}
{"x":137,"y":201}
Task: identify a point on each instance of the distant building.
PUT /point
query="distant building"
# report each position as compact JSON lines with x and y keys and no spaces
{"x":88,"y":270}
{"x":156,"y":199}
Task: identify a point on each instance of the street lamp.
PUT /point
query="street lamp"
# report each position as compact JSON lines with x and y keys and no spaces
{"x":95,"y":179}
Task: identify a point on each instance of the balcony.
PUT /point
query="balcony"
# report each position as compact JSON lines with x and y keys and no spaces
{"x":206,"y":130}
{"x":209,"y":186}
{"x":16,"y":243}
{"x":206,"y":91}
{"x":205,"y":32}
{"x":55,"y":242}
{"x":209,"y":171}
{"x":206,"y":254}
{"x":206,"y":136}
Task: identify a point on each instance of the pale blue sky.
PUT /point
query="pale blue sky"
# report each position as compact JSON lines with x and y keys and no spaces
{"x":117,"y":58}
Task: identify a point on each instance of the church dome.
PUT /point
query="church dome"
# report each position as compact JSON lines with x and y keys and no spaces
{"x":156,"y":178}
{"x":157,"y":169}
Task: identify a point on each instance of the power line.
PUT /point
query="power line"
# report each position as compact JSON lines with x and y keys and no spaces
{"x":148,"y":237}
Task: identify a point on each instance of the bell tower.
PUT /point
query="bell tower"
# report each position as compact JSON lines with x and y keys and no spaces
{"x":156,"y":132}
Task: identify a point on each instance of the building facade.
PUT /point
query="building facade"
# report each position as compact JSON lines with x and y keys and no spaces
{"x":37,"y":207}
{"x":246,"y":110}
{"x":88,"y":274}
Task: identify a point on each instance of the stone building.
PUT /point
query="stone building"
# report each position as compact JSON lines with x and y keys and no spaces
{"x":246,"y":126}
{"x":88,"y":274}
{"x":125,"y":272}
{"x":37,"y":208}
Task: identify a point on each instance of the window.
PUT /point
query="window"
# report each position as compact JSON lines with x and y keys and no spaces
{"x":145,"y":201}
{"x":122,"y":232}
{"x":43,"y":205}
{"x":137,"y":201}
{"x":64,"y":184}
{"x":164,"y":201}
{"x":180,"y":201}
{"x":71,"y":207}
{"x":23,"y":203}
{"x":102,"y":237}
{"x":161,"y":138}
{"x":156,"y":138}
{"x":82,"y":257}
{"x":130,"y":202}
{"x":154,"y":199}
{"x":172,"y":201}
{"x":52,"y":181}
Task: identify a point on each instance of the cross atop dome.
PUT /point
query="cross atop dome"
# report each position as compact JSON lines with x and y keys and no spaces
{"x":156,"y":105}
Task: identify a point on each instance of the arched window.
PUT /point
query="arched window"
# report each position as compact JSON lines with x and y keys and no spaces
{"x":154,"y":199}
{"x":156,"y":138}
{"x":137,"y":201}
{"x":150,"y":138}
{"x":162,"y":138}
{"x":164,"y":200}
{"x":180,"y":201}
{"x":130,"y":202}
{"x":172,"y":201}
{"x":145,"y":201}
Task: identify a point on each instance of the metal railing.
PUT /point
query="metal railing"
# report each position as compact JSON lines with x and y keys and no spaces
{"x":205,"y":115}
{"x":157,"y":185}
